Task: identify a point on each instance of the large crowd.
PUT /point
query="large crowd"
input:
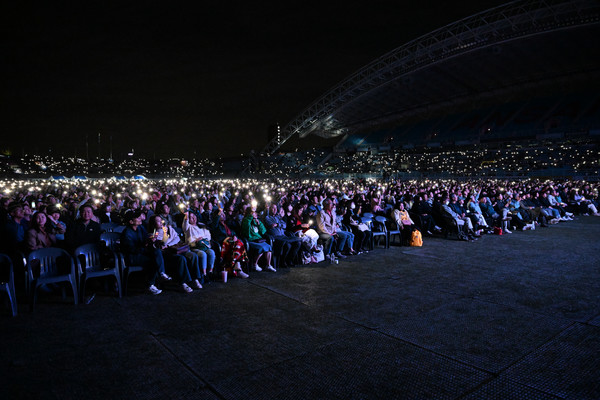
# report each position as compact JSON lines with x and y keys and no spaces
{"x":577,"y":156}
{"x":188,"y":231}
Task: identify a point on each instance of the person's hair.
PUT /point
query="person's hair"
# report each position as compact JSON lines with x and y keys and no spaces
{"x":34,"y":223}
{"x":86,"y":205}
{"x":152,"y":222}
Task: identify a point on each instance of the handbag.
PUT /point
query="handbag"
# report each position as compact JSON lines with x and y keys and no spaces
{"x":179,"y":248}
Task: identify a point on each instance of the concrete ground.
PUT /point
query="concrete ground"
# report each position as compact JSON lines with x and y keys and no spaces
{"x":506,"y":317}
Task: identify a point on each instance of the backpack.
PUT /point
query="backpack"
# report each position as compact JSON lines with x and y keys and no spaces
{"x":416,"y":239}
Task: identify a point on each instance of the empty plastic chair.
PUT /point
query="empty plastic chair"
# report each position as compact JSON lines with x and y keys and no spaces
{"x":393,"y":230}
{"x":47,"y":266}
{"x":126,"y":270}
{"x":119,"y":228}
{"x":112,"y":240}
{"x":378,"y":230}
{"x":90,"y":264}
{"x":108,"y":226}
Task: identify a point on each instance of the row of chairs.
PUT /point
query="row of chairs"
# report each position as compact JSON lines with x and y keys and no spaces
{"x":382,"y":227}
{"x":53,"y":265}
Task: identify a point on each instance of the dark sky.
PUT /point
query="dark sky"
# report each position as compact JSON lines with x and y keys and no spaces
{"x":176,"y":80}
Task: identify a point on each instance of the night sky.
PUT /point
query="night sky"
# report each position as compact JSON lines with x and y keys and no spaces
{"x":181,"y":81}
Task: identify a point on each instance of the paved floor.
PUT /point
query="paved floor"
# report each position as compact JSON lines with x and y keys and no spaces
{"x":506,"y":317}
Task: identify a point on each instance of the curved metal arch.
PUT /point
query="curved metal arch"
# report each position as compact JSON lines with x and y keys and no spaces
{"x":507,"y":22}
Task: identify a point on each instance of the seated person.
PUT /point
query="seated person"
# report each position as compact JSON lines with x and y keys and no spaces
{"x":55,"y":225}
{"x":343,"y":231}
{"x":328,"y":232}
{"x":298,"y":224}
{"x":406,"y":224}
{"x":362,"y":234}
{"x":164,"y":211}
{"x":85,"y":230}
{"x":138,"y":249}
{"x":107,"y":215}
{"x":423,"y":208}
{"x":285,"y":246}
{"x":199,"y":239}
{"x":13,"y":231}
{"x":37,"y":236}
{"x":254,"y":231}
{"x":463,"y":223}
{"x":233,"y":253}
{"x":185,"y":264}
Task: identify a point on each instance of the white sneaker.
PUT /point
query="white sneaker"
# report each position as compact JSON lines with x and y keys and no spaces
{"x":165,"y":276}
{"x":154,"y":290}
{"x":241,"y":274}
{"x":569,"y":214}
{"x":186,"y":288}
{"x":257,"y":268}
{"x":533,"y":226}
{"x":507,"y":231}
{"x":196,"y":284}
{"x":270,"y":268}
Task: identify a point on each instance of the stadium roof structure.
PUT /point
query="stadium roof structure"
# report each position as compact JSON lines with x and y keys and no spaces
{"x":507,"y":51}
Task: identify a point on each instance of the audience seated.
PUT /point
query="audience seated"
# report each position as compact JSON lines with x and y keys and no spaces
{"x":84,"y":230}
{"x":184,"y":263}
{"x":37,"y":236}
{"x":273,"y":210}
{"x":253,"y":230}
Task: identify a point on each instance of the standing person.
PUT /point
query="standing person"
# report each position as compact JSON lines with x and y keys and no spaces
{"x":138,"y":248}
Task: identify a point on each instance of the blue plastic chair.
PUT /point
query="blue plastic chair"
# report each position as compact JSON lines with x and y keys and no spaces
{"x":7,"y":281}
{"x":108,"y":226}
{"x":44,"y":267}
{"x":393,"y":230}
{"x":89,"y":265}
{"x":127,"y":270}
{"x":379,"y":229}
{"x":119,"y":228}
{"x":113,"y":242}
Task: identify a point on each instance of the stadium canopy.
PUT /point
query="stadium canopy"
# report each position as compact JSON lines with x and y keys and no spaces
{"x":58,"y":178}
{"x":79,"y":177}
{"x":139,"y":177}
{"x":514,"y":48}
